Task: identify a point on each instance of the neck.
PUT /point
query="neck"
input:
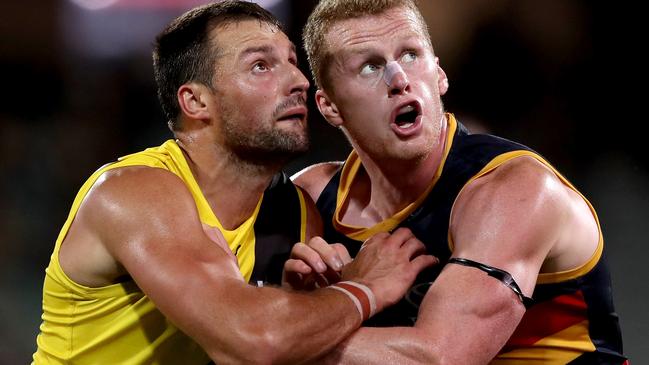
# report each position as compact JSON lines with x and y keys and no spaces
{"x":387,"y":186}
{"x":231,"y":186}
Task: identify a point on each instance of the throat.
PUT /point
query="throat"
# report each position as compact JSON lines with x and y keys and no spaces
{"x":371,"y":203}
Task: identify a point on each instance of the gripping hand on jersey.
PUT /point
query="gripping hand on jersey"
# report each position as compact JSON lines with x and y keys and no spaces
{"x":315,"y":264}
{"x":388,"y":264}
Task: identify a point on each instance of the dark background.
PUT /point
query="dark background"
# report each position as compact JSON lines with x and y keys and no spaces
{"x":565,"y":77}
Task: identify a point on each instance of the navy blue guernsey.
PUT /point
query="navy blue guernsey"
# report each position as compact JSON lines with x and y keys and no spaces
{"x":275,"y":233}
{"x":572,"y":319}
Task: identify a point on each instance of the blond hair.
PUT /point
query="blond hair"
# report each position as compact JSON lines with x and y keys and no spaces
{"x":329,"y":12}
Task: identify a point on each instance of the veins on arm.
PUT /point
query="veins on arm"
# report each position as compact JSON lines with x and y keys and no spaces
{"x":147,"y":219}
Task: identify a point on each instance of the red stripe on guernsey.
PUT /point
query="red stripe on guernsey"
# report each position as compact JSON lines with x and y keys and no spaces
{"x":360,"y":295}
{"x":546,"y":318}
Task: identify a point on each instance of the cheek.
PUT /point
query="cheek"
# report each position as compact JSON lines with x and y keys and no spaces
{"x":255,"y":96}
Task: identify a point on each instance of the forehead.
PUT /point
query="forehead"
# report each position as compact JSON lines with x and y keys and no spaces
{"x":236,"y":37}
{"x":352,"y":34}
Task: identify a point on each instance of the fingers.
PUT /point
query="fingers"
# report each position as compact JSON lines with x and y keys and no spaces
{"x":316,"y":264}
{"x":298,"y":275}
{"x":401,"y":235}
{"x":421,"y":262}
{"x":328,"y":254}
{"x":413,"y":247}
{"x":342,"y":252}
{"x":309,"y":256}
{"x":297,"y":266}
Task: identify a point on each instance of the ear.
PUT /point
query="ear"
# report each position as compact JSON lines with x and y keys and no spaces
{"x":442,"y":79}
{"x":328,"y":109}
{"x":192,"y":99}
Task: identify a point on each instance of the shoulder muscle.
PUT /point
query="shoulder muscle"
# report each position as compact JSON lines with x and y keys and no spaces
{"x":314,"y":178}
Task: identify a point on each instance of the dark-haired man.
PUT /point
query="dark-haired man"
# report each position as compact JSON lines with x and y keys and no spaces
{"x":153,"y":263}
{"x":508,"y":224}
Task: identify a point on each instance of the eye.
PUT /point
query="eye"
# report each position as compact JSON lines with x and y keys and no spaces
{"x":409,"y":57}
{"x":368,"y":69}
{"x":260,"y":67}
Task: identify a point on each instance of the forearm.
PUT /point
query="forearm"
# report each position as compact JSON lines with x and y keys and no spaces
{"x":297,"y":326}
{"x":394,"y":345}
{"x":246,"y":324}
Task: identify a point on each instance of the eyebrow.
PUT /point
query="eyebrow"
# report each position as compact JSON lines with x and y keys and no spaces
{"x":365,"y":50}
{"x":261,"y":49}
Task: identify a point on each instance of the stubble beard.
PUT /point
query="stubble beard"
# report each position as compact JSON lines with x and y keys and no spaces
{"x":265,"y":146}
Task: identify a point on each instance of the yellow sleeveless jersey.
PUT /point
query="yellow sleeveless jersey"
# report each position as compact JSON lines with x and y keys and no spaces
{"x":118,"y":324}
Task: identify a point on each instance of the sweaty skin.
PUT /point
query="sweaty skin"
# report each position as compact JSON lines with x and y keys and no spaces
{"x":520,"y":217}
{"x":157,"y":238}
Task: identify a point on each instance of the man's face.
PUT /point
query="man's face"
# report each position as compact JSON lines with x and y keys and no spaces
{"x":385,"y":85}
{"x":260,"y":93}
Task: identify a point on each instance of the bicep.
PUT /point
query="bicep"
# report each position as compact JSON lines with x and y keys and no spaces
{"x":510,"y":219}
{"x":468,"y":315}
{"x":148,"y":221}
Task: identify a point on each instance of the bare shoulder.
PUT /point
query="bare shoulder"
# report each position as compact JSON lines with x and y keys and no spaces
{"x":514,"y":214}
{"x":523,"y":208}
{"x":314,"y":178}
{"x":522,"y":180}
{"x":130,"y":194}
{"x":121,"y":202}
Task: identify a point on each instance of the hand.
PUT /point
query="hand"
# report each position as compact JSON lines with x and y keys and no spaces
{"x":315,"y":264}
{"x":389,"y":264}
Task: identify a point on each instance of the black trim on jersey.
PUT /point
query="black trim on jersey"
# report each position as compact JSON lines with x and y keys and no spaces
{"x":468,"y":155}
{"x":277,"y":229}
{"x":430,"y":223}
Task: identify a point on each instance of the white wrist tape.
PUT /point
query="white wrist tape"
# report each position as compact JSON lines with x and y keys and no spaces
{"x":360,"y":294}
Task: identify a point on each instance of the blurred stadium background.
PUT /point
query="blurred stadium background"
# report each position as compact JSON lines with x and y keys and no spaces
{"x":562,"y":76}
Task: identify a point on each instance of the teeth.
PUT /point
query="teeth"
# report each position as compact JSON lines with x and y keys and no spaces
{"x":405,"y":125}
{"x":406,"y":109}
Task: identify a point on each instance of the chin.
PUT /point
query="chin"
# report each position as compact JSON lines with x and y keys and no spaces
{"x":413,"y":151}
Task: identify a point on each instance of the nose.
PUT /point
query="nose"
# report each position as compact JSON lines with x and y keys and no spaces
{"x":396,"y":78}
{"x":299,"y":82}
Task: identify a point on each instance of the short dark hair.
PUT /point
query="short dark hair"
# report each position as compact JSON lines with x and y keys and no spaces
{"x":183,"y":51}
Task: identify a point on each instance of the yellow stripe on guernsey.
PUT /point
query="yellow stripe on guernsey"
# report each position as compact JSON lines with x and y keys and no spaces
{"x":544,"y":278}
{"x":118,"y":324}
{"x":350,"y":170}
{"x":559,"y":348}
{"x":303,"y":217}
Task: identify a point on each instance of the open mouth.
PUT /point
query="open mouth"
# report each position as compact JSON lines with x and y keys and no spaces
{"x":406,"y":116}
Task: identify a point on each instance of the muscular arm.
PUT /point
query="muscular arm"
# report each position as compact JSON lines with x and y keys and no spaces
{"x":157,"y":237}
{"x":159,"y":240}
{"x":510,"y":219}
